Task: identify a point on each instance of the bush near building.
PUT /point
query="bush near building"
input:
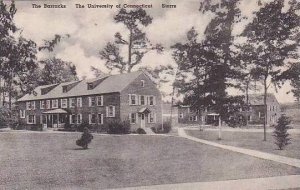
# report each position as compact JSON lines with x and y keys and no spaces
{"x":280,"y":133}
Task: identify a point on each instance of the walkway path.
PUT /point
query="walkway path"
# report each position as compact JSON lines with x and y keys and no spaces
{"x":250,"y":130}
{"x":267,"y":156}
{"x":280,"y":182}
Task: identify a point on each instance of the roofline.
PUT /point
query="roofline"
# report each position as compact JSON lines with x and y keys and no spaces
{"x":68,"y":96}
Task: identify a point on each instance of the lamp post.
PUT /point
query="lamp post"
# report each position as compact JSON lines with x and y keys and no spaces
{"x":220,"y":129}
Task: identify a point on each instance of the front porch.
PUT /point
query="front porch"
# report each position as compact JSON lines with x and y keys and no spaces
{"x":54,"y":118}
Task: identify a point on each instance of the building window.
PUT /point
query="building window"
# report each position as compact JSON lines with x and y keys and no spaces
{"x":261,"y":115}
{"x":180,"y":115}
{"x":79,"y":102}
{"x":92,"y":118}
{"x":92,"y":101}
{"x":71,"y":102}
{"x":30,"y":105}
{"x":100,"y":118}
{"x":99,"y":100}
{"x":132,"y":118}
{"x":48,"y":106}
{"x":142,"y":83}
{"x":42,"y":104}
{"x":193,"y":118}
{"x":90,"y":86}
{"x":249,"y":118}
{"x":33,"y":105}
{"x":65,"y":89}
{"x":31,"y":119}
{"x":64,"y":103}
{"x":22,"y":113}
{"x":72,"y":119}
{"x":54,"y":103}
{"x":142,"y":100}
{"x":79,"y":118}
{"x":151,"y":118}
{"x":133,"y":99}
{"x":110,"y":111}
{"x":151,"y":100}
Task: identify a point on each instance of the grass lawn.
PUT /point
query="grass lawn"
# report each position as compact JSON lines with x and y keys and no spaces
{"x":51,"y":160}
{"x":251,"y":141}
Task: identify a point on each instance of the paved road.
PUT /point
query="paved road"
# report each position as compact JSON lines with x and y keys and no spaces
{"x":280,"y":182}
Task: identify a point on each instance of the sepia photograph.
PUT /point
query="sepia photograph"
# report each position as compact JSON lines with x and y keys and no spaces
{"x":150,"y":94}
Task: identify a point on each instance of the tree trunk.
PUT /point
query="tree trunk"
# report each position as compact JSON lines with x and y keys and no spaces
{"x":265,"y":108}
{"x":247,"y":103}
{"x":129,"y":52}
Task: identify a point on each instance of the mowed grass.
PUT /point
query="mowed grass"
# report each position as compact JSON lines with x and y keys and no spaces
{"x":51,"y":160}
{"x":251,"y":140}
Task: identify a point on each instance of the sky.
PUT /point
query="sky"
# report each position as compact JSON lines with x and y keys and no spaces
{"x":91,"y":29}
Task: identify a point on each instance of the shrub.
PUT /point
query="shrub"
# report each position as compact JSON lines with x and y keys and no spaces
{"x":118,"y":127}
{"x":160,"y":129}
{"x":280,"y":133}
{"x":36,"y":128}
{"x":140,"y":131}
{"x":236,"y":121}
{"x":8,"y":118}
{"x":81,"y":126}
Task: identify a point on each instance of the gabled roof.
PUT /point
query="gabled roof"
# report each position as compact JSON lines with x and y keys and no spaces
{"x":110,"y":84}
{"x":258,"y":99}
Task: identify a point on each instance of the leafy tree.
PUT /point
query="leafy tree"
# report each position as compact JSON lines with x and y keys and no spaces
{"x":136,"y":43}
{"x":270,"y":34}
{"x":293,"y":74}
{"x":57,"y":71}
{"x":7,"y":26}
{"x":54,"y":69}
{"x":17,"y":54}
{"x":211,"y":64}
{"x":97,"y":72}
{"x":280,"y":133}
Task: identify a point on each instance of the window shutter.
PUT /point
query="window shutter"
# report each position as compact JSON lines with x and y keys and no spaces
{"x":149,"y":115}
{"x":102,"y":121}
{"x":140,"y":102}
{"x":106,"y":111}
{"x":90,"y":102}
{"x":136,"y":100}
{"x":147,"y":100}
{"x":90,"y":118}
{"x":101,"y":101}
{"x":34,"y":119}
{"x":154,"y":118}
{"x":129,"y":99}
{"x":114,"y":111}
{"x":154,"y":100}
{"x":33,"y":105}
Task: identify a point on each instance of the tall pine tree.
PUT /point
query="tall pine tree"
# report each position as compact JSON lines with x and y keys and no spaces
{"x":271,"y":34}
{"x":208,"y":68}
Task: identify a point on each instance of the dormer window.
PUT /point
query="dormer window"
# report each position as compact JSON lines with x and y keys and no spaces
{"x":142,"y":83}
{"x":65,"y":89}
{"x":90,"y":86}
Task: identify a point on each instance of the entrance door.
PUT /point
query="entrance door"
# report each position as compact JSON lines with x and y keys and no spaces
{"x":49,"y":121}
{"x":142,"y":120}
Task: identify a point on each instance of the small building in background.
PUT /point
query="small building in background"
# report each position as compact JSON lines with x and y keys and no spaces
{"x":255,"y":115}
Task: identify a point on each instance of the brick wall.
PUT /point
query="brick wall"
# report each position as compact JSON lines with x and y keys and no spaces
{"x":108,"y":99}
{"x":136,"y":88}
